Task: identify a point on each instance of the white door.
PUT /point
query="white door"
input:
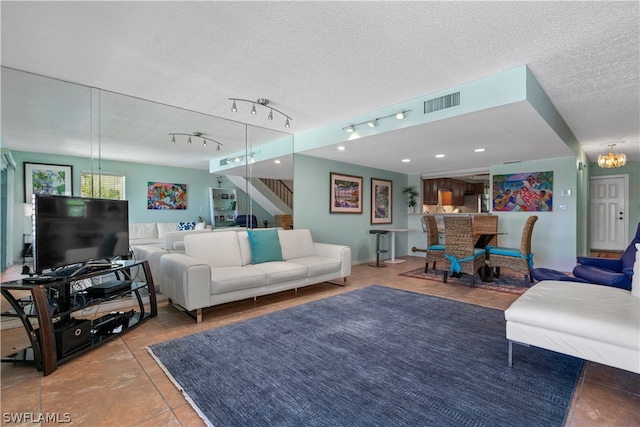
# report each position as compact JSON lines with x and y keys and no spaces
{"x":608,"y":208}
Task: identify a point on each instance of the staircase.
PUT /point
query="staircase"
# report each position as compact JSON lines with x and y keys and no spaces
{"x":282,"y":189}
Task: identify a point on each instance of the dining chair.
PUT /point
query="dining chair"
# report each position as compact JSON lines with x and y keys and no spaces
{"x":284,"y":221}
{"x":486,"y":224}
{"x":435,"y":251}
{"x":520,"y":260}
{"x":459,"y":252}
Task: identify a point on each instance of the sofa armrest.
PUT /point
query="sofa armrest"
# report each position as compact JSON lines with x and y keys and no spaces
{"x":606,"y":263}
{"x":186,"y":280}
{"x":343,"y":253}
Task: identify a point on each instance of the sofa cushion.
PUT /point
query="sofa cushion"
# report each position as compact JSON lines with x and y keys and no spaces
{"x":585,"y":310}
{"x":296,"y":243}
{"x":318,"y":265}
{"x":147,"y":230}
{"x":216,"y":249}
{"x":166,"y":227}
{"x":186,"y":225}
{"x":229,"y":279}
{"x":265,"y":245}
{"x":282,"y":271}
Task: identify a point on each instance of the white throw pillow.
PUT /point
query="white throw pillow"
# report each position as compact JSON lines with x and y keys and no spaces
{"x":635,"y":280}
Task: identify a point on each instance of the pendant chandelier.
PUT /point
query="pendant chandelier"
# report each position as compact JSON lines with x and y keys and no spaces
{"x":612,"y":160}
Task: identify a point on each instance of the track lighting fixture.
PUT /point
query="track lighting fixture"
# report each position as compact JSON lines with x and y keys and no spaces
{"x":265,"y":103}
{"x":374,"y":122}
{"x":197,"y":135}
{"x":239,"y":158}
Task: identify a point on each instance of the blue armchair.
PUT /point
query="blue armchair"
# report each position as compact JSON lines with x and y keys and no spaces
{"x":609,"y":272}
{"x":249,"y":221}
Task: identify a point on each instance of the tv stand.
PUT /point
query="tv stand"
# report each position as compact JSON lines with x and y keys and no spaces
{"x":59,"y":335}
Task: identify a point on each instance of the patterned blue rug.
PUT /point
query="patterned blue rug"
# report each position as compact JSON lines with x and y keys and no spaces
{"x":376,"y":356}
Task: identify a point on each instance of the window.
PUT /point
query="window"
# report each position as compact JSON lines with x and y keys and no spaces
{"x":104,"y":185}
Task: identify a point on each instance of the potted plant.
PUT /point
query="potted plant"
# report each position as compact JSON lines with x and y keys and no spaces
{"x":411,"y":194}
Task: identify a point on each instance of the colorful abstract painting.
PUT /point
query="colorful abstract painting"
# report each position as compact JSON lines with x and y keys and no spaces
{"x":162,"y":195}
{"x":532,"y":192}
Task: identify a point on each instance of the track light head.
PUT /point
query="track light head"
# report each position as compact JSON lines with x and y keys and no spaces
{"x":264,"y":102}
{"x":372,"y":123}
{"x":350,"y":128}
{"x":205,"y":140}
{"x":400,"y":115}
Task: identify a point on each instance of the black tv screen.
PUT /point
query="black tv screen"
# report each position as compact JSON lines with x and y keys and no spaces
{"x":72,"y":230}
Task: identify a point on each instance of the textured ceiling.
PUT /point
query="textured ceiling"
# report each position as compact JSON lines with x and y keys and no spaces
{"x":324,"y":62}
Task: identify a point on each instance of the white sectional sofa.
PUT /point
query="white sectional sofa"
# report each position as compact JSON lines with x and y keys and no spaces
{"x":593,"y":322}
{"x":232,"y":265}
{"x":150,"y":241}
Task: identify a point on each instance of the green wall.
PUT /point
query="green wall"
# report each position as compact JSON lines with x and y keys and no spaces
{"x":311,"y":206}
{"x":137,"y":175}
{"x":633,"y":170}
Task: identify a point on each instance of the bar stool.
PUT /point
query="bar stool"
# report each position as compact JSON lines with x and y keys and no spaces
{"x":379,"y":251}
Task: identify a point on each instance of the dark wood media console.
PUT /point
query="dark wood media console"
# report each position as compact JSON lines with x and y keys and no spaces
{"x":59,"y":336}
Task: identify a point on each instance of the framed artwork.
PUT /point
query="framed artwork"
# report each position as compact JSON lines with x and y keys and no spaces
{"x":41,"y":178}
{"x":221,"y":218}
{"x":531,"y":191}
{"x":381,"y":198}
{"x":345,"y":194}
{"x":230,"y":218}
{"x":225,"y":196}
{"x":162,"y":195}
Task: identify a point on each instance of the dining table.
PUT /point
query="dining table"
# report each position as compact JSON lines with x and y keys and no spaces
{"x":482,"y":241}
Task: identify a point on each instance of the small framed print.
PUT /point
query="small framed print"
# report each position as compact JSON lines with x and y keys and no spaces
{"x":230,"y":218}
{"x":221,"y":218}
{"x":345,"y":194}
{"x":381,"y":198}
{"x":225,"y":196}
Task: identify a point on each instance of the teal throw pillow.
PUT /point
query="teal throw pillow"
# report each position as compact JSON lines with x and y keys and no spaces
{"x":265,"y":245}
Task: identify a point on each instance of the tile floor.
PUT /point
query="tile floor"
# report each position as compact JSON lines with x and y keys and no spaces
{"x":119,"y":384}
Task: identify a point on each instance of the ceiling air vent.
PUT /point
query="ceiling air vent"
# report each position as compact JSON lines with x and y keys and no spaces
{"x":437,"y":104}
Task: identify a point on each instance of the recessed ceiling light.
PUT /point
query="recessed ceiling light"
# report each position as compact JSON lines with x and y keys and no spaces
{"x":406,"y":160}
{"x":341,"y":147}
{"x":276,"y":161}
{"x":439,"y":156}
{"x":479,"y":150}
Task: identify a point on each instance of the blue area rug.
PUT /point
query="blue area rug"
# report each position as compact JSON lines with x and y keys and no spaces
{"x":371,"y":357}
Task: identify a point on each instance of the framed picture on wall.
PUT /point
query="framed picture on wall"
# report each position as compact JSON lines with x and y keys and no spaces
{"x":527,"y":191}
{"x":164,"y":195}
{"x":345,"y":194}
{"x":381,"y":198}
{"x":41,"y":178}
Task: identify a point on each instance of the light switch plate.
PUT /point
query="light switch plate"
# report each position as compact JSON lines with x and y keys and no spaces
{"x":566,"y":192}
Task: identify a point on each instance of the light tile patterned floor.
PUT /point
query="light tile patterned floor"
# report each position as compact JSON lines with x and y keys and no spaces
{"x":120,"y":384}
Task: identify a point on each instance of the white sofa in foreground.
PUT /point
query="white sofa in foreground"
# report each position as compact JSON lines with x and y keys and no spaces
{"x":233,"y":265}
{"x":593,"y":322}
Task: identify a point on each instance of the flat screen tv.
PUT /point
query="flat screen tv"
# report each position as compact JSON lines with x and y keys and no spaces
{"x":75,"y":230}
